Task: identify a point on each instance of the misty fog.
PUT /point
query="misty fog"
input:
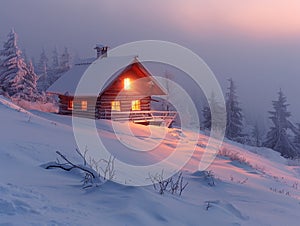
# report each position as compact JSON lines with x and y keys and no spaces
{"x":260,"y":61}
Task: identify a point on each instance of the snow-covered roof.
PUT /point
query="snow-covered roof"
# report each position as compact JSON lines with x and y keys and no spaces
{"x":85,"y":61}
{"x":68,"y":82}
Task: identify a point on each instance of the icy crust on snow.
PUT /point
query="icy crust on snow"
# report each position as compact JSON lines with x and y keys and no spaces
{"x":256,"y":188}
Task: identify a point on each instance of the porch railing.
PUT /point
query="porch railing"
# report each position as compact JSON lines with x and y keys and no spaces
{"x":162,"y":118}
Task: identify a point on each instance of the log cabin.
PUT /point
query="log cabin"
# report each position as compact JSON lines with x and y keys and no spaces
{"x":126,"y":95}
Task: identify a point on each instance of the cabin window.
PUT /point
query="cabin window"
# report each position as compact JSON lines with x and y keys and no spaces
{"x":136,"y":105}
{"x":70,"y":105}
{"x":126,"y":83}
{"x":115,"y":106}
{"x":84,"y":105}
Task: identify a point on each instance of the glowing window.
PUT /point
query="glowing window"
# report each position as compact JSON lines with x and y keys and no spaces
{"x":136,"y":105}
{"x":71,"y":105}
{"x":84,"y":105}
{"x":126,"y":83}
{"x":115,"y":106}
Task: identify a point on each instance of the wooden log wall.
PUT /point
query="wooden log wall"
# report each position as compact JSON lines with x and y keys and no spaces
{"x":98,"y":107}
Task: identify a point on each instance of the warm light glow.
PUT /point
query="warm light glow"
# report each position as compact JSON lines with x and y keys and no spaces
{"x":115,"y":106}
{"x":136,"y":105}
{"x":126,"y":83}
{"x":84,"y":105}
{"x":71,"y":105}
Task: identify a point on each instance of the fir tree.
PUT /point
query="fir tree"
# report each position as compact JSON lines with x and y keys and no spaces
{"x":31,"y":78}
{"x":218,"y":114}
{"x":278,"y":138}
{"x":55,"y":61}
{"x":16,"y":79}
{"x":43,"y":68}
{"x":25,"y":56}
{"x":234,"y":126}
{"x":43,"y":63}
{"x":65,"y":61}
{"x":206,"y":124}
{"x":297,"y":139}
{"x":256,"y":135}
{"x":44,"y":80}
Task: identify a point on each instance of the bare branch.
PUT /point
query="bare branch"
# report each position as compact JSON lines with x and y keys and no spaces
{"x":71,"y":166}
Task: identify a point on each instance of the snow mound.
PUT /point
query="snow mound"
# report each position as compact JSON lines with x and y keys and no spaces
{"x":7,"y":103}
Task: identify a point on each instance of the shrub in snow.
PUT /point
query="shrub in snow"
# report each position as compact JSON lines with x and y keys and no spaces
{"x":234,"y":156}
{"x":280,"y":191}
{"x":209,"y":176}
{"x":239,"y":181}
{"x":278,"y":137}
{"x":173,"y":185}
{"x":44,"y":106}
{"x":208,"y":205}
{"x":92,"y":176}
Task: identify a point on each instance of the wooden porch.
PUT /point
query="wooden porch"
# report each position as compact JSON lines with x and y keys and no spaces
{"x":152,"y":117}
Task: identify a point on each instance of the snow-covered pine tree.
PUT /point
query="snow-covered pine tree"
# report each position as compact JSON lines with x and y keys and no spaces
{"x":43,"y":81}
{"x":234,"y":126}
{"x":218,"y":112}
{"x":24,"y":55}
{"x":278,"y":138}
{"x":65,"y":61}
{"x":31,"y":76}
{"x":43,"y":63}
{"x":297,"y":139}
{"x":206,"y":124}
{"x":29,"y":92}
{"x":16,"y":79}
{"x":256,"y":135}
{"x":55,"y":61}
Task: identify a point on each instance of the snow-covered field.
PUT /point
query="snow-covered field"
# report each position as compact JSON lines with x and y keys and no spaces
{"x":254,"y":187}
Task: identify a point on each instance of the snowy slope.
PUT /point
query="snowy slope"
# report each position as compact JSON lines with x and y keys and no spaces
{"x":261,"y":189}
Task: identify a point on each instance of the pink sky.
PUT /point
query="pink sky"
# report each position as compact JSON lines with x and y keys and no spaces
{"x":257,"y":18}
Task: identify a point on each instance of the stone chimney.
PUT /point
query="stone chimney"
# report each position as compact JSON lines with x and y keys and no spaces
{"x":101,"y":50}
